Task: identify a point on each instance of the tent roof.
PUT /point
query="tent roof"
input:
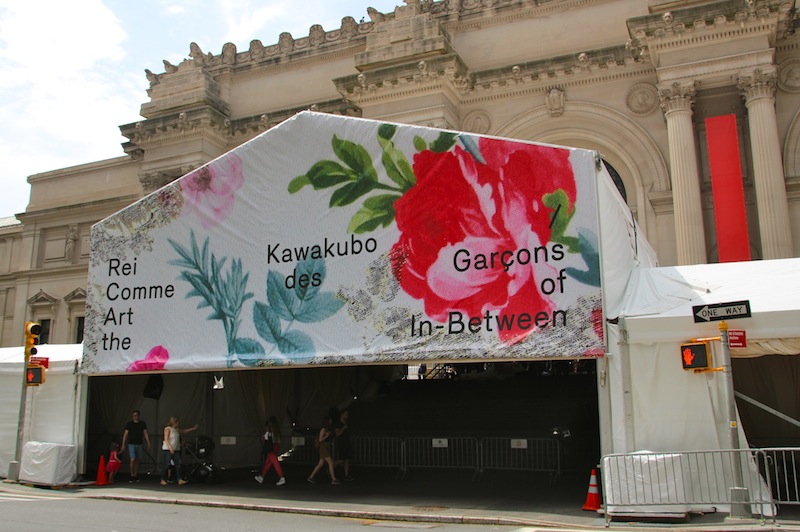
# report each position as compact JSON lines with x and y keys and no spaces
{"x":660,"y":301}
{"x":63,"y":357}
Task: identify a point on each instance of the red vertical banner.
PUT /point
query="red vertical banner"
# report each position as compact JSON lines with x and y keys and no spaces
{"x":733,"y":242}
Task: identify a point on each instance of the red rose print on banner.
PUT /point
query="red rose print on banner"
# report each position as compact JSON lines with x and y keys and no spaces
{"x":460,"y":203}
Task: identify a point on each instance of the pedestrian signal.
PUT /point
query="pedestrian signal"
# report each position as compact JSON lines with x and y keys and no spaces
{"x":32,"y":331}
{"x":695,"y":355}
{"x":34,"y":375}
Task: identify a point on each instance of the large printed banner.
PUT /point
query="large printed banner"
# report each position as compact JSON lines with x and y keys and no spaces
{"x":334,"y":240}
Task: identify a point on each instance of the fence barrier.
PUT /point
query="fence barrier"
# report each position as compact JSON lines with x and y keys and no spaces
{"x":751,"y":481}
{"x":442,"y":453}
{"x":527,"y":454}
{"x":475,"y":454}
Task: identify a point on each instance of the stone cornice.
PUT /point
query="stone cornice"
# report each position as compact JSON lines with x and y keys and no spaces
{"x":588,"y":68}
{"x":231,"y":61}
{"x":474,"y":15}
{"x":725,"y":14}
{"x":103,"y":207}
{"x":530,"y":86}
{"x":320,"y":45}
{"x":295,"y":63}
{"x":243,"y":129}
{"x":79,"y":169}
{"x":204,"y":122}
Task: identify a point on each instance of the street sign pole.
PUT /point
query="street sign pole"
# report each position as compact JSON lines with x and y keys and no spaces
{"x":738,"y":492}
{"x":727,"y":374}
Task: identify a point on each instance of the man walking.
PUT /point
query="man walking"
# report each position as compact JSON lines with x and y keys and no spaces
{"x":136,"y":437}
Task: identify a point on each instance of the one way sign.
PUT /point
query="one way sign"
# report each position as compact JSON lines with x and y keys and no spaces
{"x":721,"y":311}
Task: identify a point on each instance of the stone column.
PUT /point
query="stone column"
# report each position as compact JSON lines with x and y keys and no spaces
{"x":758,"y":90}
{"x":676,"y":102}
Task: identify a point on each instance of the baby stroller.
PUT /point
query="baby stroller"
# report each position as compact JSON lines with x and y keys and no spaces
{"x":199,"y":465}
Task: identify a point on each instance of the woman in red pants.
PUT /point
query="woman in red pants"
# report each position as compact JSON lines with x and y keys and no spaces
{"x":272,"y":441}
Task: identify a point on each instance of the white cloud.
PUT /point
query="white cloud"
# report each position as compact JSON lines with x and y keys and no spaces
{"x":60,"y":88}
{"x":71,"y":75}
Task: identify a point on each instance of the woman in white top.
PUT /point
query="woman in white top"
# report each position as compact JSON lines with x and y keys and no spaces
{"x":171,"y":450}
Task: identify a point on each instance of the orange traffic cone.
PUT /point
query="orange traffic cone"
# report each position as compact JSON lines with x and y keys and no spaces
{"x":102,"y":478}
{"x":592,"y":503}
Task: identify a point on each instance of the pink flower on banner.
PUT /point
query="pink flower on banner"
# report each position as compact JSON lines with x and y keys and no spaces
{"x":156,"y":359}
{"x":210,"y":190}
{"x":462,"y":207}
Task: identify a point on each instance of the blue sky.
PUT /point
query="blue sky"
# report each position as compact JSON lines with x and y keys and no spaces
{"x":71,"y":72}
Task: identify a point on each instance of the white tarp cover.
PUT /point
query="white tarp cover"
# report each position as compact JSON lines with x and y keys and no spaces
{"x":334,"y":240}
{"x":55,"y":410}
{"x":51,"y":464}
{"x":672,"y":409}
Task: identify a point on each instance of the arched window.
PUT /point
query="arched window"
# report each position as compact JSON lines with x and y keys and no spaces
{"x":617,"y":180}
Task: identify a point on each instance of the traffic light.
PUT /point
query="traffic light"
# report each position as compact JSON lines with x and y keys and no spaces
{"x":34,"y":375}
{"x":695,"y":355}
{"x":32,"y":331}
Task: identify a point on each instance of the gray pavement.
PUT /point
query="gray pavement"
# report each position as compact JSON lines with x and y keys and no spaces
{"x":508,"y":498}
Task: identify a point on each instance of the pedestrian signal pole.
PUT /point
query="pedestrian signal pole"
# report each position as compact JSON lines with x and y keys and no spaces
{"x":32,"y":331}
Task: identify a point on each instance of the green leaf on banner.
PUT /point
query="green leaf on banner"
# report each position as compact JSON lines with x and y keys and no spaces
{"x":320,"y":307}
{"x":356,"y":157}
{"x":444,"y":142}
{"x":386,"y":131}
{"x":351,"y":192}
{"x":419,"y":143}
{"x":282,"y":299}
{"x":377,"y":211}
{"x":561,"y":217}
{"x":296,"y":342}
{"x":267,"y":322}
{"x":397,"y":167}
{"x":309,"y":268}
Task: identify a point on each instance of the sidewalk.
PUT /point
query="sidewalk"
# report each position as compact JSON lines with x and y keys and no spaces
{"x":451,"y":497}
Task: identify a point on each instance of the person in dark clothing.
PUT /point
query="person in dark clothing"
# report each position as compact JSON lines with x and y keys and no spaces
{"x":342,"y":442}
{"x":136,"y":437}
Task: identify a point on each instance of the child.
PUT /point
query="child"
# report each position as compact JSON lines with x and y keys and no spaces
{"x":114,"y":464}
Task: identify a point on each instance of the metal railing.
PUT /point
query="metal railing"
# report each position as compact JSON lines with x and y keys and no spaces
{"x":475,"y":454}
{"x":525,"y":454}
{"x":442,"y":453}
{"x":751,"y":481}
{"x":781,"y":467}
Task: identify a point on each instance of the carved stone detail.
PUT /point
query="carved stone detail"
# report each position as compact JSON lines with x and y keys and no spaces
{"x":229,"y":54}
{"x":642,"y":99}
{"x":554,"y":100}
{"x":679,"y":96}
{"x":75,"y":299}
{"x":479,"y":122}
{"x":285,"y":42}
{"x":70,"y":244}
{"x":257,"y":50}
{"x":349,"y":28}
{"x":316,"y":35}
{"x":759,"y":84}
{"x":789,"y":75}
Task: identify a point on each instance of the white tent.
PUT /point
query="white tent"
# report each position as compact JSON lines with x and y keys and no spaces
{"x":659,"y":406}
{"x":55,"y":411}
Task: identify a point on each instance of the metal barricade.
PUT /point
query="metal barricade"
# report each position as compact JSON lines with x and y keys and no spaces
{"x":301,"y":451}
{"x":780,"y":465}
{"x":522,"y":454}
{"x":376,"y":452}
{"x":674,"y":483}
{"x":435,"y":453}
